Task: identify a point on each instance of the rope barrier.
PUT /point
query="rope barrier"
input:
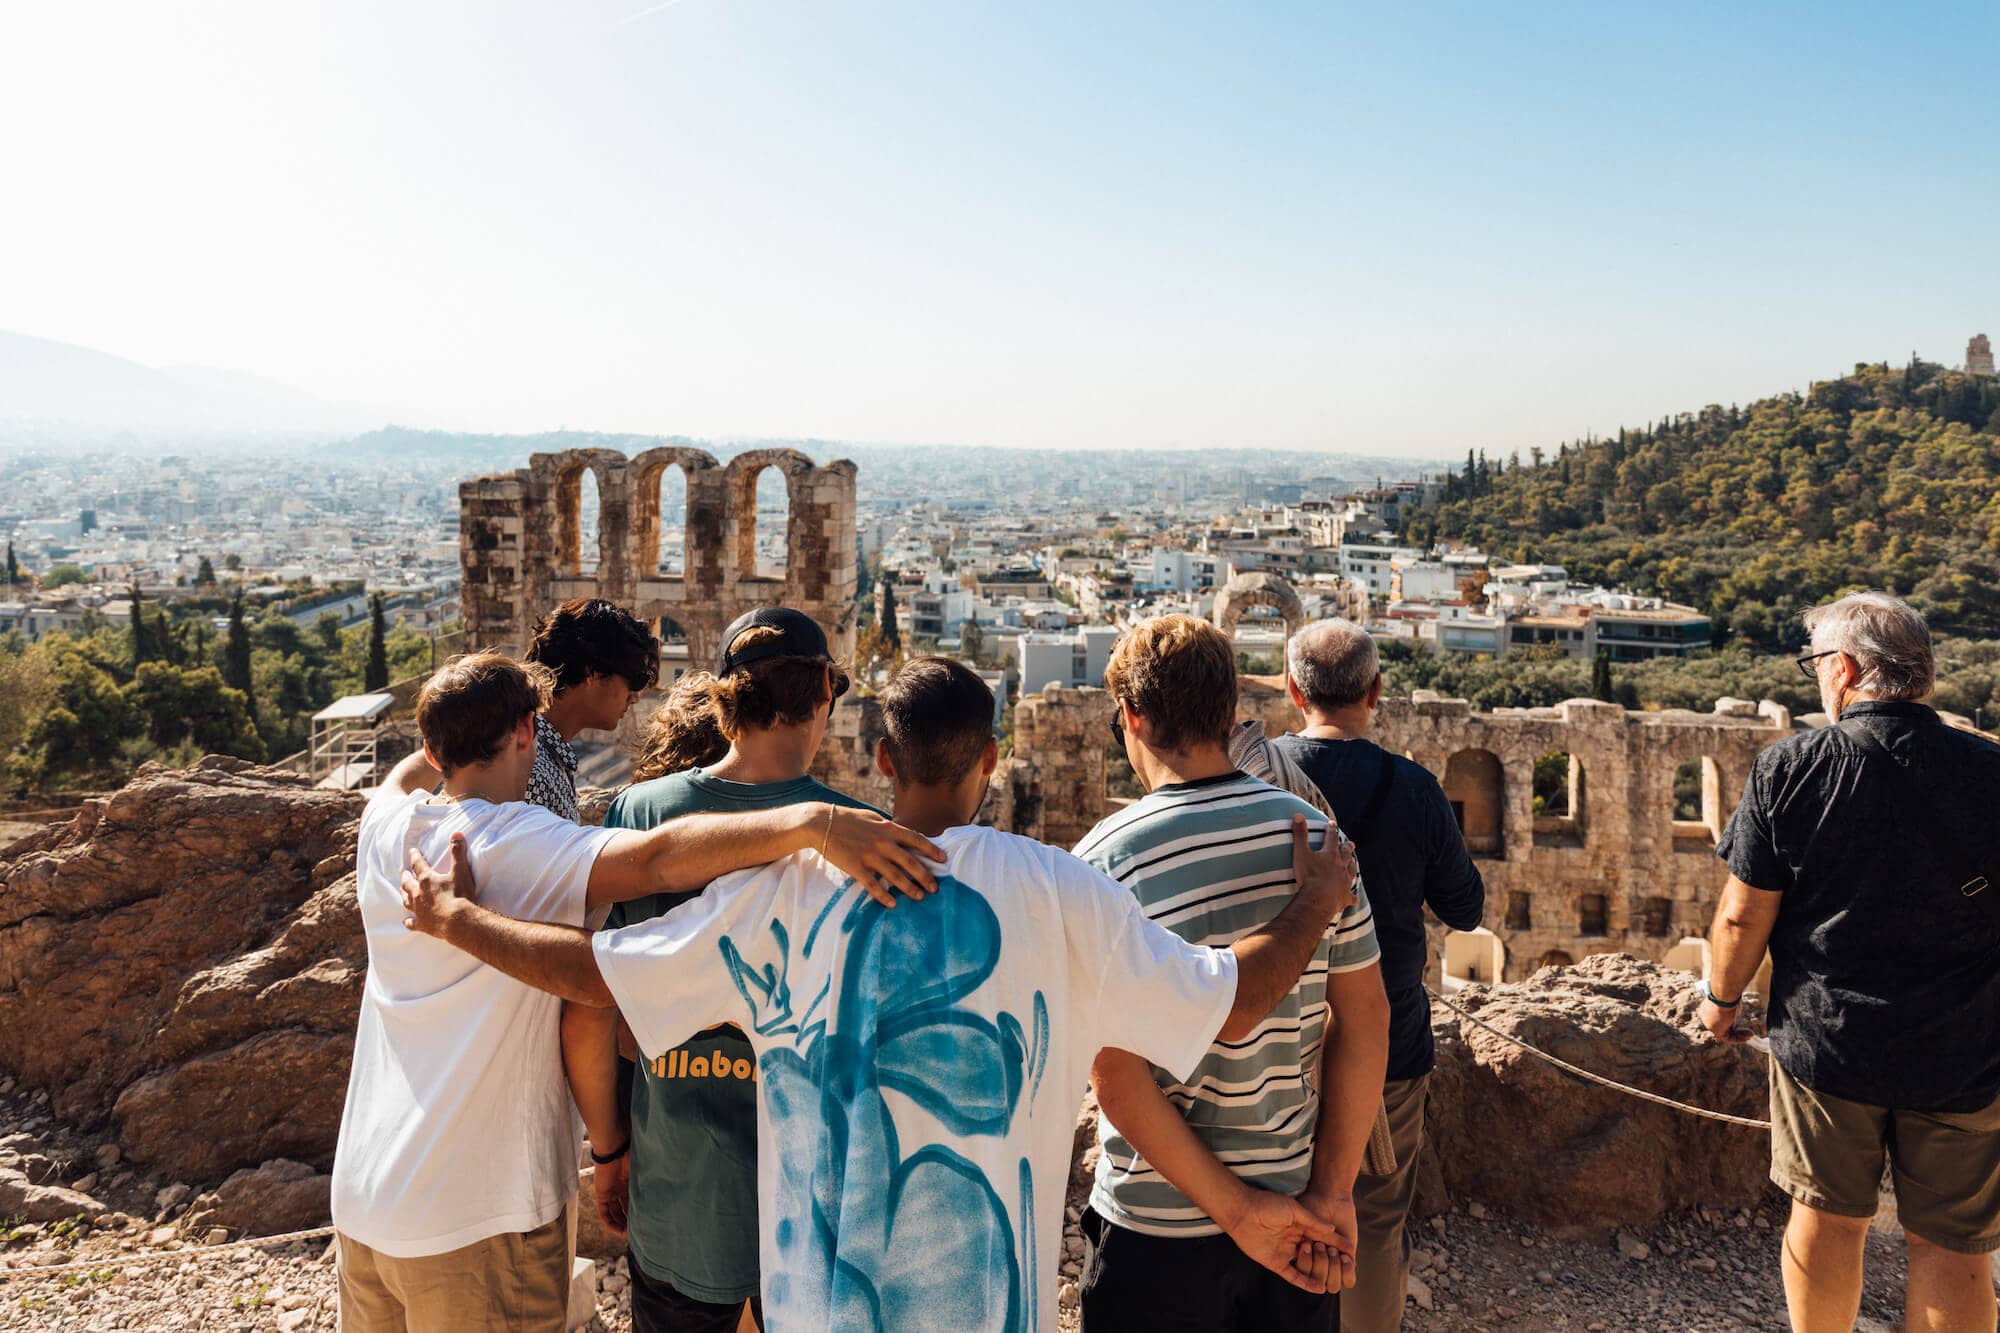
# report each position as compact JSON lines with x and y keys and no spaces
{"x":1599,"y":1079}
{"x":116,"y":1261}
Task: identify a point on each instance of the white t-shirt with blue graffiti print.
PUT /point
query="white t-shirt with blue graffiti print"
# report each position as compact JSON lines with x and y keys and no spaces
{"x":919,"y":1068}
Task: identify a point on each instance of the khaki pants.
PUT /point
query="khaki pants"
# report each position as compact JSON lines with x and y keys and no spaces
{"x":1381,"y":1208}
{"x":1827,"y":1153}
{"x":513,"y":1283}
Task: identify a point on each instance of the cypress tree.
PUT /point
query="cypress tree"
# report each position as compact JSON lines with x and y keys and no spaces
{"x":139,"y":653}
{"x":376,"y":674}
{"x":236,"y":649}
{"x":13,"y":566}
{"x":892,"y":638}
{"x":1600,"y":679}
{"x":205,"y":573}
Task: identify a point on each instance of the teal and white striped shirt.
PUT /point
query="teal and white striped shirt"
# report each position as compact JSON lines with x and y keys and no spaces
{"x":1212,"y":861}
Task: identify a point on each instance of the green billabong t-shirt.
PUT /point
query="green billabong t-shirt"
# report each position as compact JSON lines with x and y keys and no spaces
{"x":693,"y":1213}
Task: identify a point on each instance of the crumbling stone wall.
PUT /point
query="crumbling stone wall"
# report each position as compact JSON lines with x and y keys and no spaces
{"x":521,"y":542}
{"x":1618,"y":875}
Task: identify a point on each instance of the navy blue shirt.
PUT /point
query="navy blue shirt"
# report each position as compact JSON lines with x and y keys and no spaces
{"x":1413,"y":855}
{"x":1885,"y":981}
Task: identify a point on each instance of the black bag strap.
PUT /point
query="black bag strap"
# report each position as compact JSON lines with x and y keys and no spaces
{"x":1973,"y":884}
{"x":1371,"y":811}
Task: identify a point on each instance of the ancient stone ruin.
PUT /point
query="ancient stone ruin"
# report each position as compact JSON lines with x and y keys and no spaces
{"x":521,"y":545}
{"x":1979,"y":355}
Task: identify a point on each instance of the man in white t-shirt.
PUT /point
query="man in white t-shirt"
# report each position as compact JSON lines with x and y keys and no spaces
{"x":458,"y":1145}
{"x":919,"y":1068}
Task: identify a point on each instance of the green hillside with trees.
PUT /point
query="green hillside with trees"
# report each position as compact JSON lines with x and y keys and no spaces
{"x":1885,"y":478}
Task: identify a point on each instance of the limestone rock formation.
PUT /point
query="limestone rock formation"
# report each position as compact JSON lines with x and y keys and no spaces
{"x":1512,"y":1131}
{"x":185,"y":957}
{"x":279,"y":1196}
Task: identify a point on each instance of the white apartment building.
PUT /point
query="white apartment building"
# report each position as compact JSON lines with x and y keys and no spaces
{"x":1070,"y":660}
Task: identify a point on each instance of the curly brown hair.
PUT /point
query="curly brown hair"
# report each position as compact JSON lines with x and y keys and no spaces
{"x":471,"y":705}
{"x":589,"y":634}
{"x":683,"y":734}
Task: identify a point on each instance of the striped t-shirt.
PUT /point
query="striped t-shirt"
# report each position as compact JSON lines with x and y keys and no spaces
{"x":1212,"y":861}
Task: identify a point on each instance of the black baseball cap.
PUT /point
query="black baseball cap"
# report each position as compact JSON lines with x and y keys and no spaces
{"x":799,"y":636}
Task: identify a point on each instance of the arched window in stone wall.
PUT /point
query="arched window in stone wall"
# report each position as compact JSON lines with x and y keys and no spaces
{"x":1559,"y":803}
{"x":1593,"y":914}
{"x":1697,"y":804}
{"x":1476,"y":785}
{"x":670,"y":559}
{"x":771,"y":512}
{"x":588,"y":527}
{"x":1555,"y":958}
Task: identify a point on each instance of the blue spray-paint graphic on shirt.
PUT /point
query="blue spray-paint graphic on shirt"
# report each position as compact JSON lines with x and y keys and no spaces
{"x":869,"y":1238}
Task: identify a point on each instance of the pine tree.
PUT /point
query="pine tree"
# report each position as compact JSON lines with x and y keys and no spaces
{"x":205,"y":573}
{"x":1600,"y":679}
{"x":138,"y":620}
{"x":375,"y":676}
{"x":236,"y":649}
{"x":165,"y":641}
{"x":892,"y":638}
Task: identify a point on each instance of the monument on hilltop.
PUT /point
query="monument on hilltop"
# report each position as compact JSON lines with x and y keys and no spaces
{"x":1979,"y":355}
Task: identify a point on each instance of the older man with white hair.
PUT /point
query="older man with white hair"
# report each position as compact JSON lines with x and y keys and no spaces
{"x":1859,"y":855}
{"x":1412,"y":856}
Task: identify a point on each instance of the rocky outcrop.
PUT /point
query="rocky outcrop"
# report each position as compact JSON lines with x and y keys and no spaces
{"x":277,"y":1197}
{"x":185,"y":958}
{"x":1514,"y":1133}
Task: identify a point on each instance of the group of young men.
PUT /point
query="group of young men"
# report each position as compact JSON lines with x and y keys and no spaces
{"x":829,"y":1061}
{"x":854,"y":1045}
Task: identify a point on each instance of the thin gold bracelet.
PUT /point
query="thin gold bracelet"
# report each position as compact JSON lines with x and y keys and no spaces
{"x":824,"y":837}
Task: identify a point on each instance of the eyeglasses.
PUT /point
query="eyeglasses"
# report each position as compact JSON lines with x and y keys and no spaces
{"x":837,"y":682}
{"x":1807,"y":665}
{"x":1117,"y":723}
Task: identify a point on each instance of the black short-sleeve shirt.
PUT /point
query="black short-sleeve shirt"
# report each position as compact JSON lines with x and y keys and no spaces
{"x":1413,"y":856}
{"x":1885,"y":981}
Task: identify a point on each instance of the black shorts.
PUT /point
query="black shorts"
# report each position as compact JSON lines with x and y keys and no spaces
{"x":659,"y":1307}
{"x":1189,"y":1284}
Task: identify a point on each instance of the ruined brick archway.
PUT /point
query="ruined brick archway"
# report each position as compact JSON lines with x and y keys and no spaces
{"x":1258,"y":588}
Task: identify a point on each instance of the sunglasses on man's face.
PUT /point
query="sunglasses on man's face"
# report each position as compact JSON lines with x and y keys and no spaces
{"x":1809,"y":664}
{"x":1117,"y":725}
{"x":837,"y":682}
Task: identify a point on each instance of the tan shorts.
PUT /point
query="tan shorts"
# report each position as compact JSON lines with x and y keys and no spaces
{"x":1828,"y":1154}
{"x":513,"y":1283}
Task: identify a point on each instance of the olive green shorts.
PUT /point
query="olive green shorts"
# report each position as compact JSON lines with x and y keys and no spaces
{"x":1828,"y":1154}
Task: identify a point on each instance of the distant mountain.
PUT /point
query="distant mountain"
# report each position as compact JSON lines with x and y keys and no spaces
{"x":46,"y":381}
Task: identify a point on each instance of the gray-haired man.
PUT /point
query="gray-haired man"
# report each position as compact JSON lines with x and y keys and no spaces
{"x":1410,"y":846}
{"x":1859,"y":855}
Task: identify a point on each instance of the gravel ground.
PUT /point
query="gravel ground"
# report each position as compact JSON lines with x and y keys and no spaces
{"x":1474,"y":1273}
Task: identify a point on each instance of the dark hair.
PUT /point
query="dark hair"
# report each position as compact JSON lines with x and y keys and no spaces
{"x":471,"y":705}
{"x":683,"y":734}
{"x":776,"y":692}
{"x":590,"y":634}
{"x":1179,"y":674}
{"x":939,"y":716}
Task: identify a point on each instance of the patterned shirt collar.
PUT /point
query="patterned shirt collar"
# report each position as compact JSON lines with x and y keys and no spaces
{"x":551,"y":743}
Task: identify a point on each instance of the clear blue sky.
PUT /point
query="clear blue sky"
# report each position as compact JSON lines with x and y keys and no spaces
{"x":1380,"y":228}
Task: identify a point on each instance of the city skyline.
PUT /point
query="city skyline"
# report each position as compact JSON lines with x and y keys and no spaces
{"x":1356,"y":232}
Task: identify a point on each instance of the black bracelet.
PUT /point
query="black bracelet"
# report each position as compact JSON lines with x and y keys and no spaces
{"x":1708,"y":993}
{"x":608,"y":1158}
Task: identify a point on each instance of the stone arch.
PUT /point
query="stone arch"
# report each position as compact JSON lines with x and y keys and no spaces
{"x":1555,"y":958}
{"x":741,"y":489}
{"x":566,"y":492}
{"x":1257,"y":588}
{"x":648,"y":471}
{"x":1475,"y":784}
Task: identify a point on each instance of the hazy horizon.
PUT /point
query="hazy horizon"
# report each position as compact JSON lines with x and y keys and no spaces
{"x":1373,"y":233}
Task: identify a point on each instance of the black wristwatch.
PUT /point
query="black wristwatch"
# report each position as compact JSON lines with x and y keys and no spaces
{"x":608,"y":1158}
